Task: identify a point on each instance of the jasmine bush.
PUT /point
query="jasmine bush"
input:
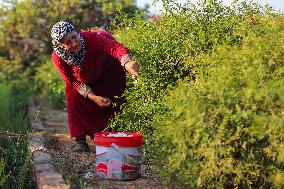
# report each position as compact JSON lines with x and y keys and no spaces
{"x":209,"y":96}
{"x":164,"y":48}
{"x":225,"y":128}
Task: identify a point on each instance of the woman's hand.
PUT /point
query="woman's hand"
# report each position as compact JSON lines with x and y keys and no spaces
{"x":132,"y":67}
{"x":99,"y":100}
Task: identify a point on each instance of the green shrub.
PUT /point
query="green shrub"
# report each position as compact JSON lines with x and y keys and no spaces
{"x":15,"y":167}
{"x":49,"y":84}
{"x":225,"y":128}
{"x":164,"y":49}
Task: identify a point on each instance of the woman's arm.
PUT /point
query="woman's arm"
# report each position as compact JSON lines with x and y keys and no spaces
{"x":67,"y":74}
{"x":109,"y":45}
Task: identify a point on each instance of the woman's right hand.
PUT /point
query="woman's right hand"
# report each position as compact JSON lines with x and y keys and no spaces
{"x":99,"y":100}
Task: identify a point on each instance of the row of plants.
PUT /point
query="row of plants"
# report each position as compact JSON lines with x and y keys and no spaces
{"x":210,"y":95}
{"x":165,"y":48}
{"x":225,"y":128}
{"x":15,"y":165}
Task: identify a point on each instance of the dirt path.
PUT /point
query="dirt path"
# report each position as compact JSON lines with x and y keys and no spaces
{"x":78,"y":169}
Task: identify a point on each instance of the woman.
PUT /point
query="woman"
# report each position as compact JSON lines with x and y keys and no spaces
{"x":92,"y":65}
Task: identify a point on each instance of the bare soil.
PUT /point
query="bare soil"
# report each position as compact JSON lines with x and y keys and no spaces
{"x":78,"y":169}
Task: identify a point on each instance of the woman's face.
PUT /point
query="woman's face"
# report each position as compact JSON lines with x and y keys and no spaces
{"x":71,"y":42}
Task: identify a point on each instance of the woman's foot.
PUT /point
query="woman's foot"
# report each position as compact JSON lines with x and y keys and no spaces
{"x":81,"y":145}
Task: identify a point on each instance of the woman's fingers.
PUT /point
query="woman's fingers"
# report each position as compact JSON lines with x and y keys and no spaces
{"x":135,"y":73}
{"x":102,"y":101}
{"x":106,"y":101}
{"x":132,"y":67}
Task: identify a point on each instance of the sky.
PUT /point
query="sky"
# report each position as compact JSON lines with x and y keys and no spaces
{"x":277,"y":4}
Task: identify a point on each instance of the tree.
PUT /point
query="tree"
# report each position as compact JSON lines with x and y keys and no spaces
{"x":25,"y":25}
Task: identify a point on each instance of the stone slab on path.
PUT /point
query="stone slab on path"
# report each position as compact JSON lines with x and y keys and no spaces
{"x":45,"y":175}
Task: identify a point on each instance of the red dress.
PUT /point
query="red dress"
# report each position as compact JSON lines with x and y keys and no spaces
{"x":102,"y":71}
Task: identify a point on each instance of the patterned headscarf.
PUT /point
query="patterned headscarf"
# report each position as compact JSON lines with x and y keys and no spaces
{"x":58,"y":31}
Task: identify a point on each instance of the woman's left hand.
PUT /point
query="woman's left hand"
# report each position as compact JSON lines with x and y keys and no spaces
{"x":132,"y":67}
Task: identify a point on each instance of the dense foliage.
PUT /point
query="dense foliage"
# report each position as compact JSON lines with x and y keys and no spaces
{"x":164,"y":48}
{"x":25,"y":34}
{"x":15,"y":167}
{"x":225,"y":128}
{"x":25,"y":25}
{"x":222,"y":125}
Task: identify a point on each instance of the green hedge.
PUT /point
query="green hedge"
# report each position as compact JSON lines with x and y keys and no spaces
{"x":164,"y":49}
{"x":225,"y":128}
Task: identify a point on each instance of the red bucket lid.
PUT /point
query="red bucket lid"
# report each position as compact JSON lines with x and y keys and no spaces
{"x":108,"y":138}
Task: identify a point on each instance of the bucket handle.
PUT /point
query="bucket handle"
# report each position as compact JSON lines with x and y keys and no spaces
{"x":126,"y":155}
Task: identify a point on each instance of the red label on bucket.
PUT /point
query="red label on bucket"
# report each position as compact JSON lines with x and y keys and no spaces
{"x":125,"y":139}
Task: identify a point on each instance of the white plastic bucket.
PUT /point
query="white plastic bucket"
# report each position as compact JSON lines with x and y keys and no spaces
{"x":118,"y":155}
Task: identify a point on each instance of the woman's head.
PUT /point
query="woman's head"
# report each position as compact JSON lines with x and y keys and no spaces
{"x":67,"y":43}
{"x":63,"y":34}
